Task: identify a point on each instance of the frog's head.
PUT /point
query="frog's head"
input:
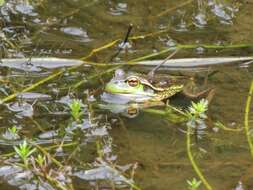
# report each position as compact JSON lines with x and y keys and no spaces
{"x":131,"y":84}
{"x":134,"y":88}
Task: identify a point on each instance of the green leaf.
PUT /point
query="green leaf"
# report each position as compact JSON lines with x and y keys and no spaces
{"x":2,"y":2}
{"x":75,"y":109}
{"x":24,"y":150}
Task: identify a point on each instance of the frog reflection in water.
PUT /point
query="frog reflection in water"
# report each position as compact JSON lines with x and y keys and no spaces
{"x":126,"y":88}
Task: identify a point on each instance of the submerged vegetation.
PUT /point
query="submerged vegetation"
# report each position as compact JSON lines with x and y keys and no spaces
{"x":193,"y":184}
{"x":75,"y":110}
{"x":57,"y":131}
{"x":38,"y":163}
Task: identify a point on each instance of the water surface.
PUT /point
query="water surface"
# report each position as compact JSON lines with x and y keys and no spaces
{"x":156,"y":144}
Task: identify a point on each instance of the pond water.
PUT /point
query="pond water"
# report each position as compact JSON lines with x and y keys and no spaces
{"x":108,"y":148}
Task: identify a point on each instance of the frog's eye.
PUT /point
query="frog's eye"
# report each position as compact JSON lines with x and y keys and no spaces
{"x":132,"y":112}
{"x":133,"y":81}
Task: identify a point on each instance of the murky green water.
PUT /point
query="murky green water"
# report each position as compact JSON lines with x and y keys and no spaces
{"x":152,"y":144}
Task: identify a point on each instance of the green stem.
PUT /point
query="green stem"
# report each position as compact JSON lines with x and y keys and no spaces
{"x":211,"y":46}
{"x":47,"y":148}
{"x":151,"y":55}
{"x":174,"y":8}
{"x":44,"y":80}
{"x":78,"y":84}
{"x":40,"y":148}
{"x":54,"y":182}
{"x":246,"y":119}
{"x":193,"y":163}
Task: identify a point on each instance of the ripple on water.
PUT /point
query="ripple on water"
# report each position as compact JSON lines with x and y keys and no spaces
{"x":76,"y":32}
{"x":22,"y":109}
{"x":118,"y":9}
{"x":25,"y":9}
{"x":200,"y":20}
{"x":224,"y":12}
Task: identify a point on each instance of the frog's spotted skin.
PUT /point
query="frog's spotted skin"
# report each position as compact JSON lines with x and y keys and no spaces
{"x":168,"y":92}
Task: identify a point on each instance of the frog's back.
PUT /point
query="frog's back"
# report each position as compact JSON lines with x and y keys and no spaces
{"x":168,"y":92}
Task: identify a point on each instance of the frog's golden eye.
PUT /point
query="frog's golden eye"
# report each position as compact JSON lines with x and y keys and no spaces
{"x":133,"y":81}
{"x":132,"y":112}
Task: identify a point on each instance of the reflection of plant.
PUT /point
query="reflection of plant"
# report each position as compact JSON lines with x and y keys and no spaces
{"x":13,"y":130}
{"x":11,"y":133}
{"x":193,"y":184}
{"x":75,"y":109}
{"x":24,"y":151}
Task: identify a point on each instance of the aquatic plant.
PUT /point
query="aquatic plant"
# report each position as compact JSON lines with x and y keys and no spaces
{"x":44,"y":167}
{"x":197,"y":110}
{"x":193,"y":184}
{"x":11,"y":133}
{"x":196,"y":114}
{"x":246,"y":119}
{"x":106,"y":169}
{"x":43,"y":159}
{"x":24,"y":151}
{"x":40,"y":160}
{"x":75,"y":109}
{"x":13,"y":130}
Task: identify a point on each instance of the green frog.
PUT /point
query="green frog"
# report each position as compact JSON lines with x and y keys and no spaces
{"x":126,"y":88}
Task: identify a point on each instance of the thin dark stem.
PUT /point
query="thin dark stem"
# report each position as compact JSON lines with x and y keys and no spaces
{"x":152,"y":72}
{"x":121,"y":47}
{"x":128,"y":33}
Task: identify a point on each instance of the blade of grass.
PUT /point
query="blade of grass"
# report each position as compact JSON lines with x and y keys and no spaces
{"x":246,"y":119}
{"x":193,"y":163}
{"x":174,"y":8}
{"x":44,"y":80}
